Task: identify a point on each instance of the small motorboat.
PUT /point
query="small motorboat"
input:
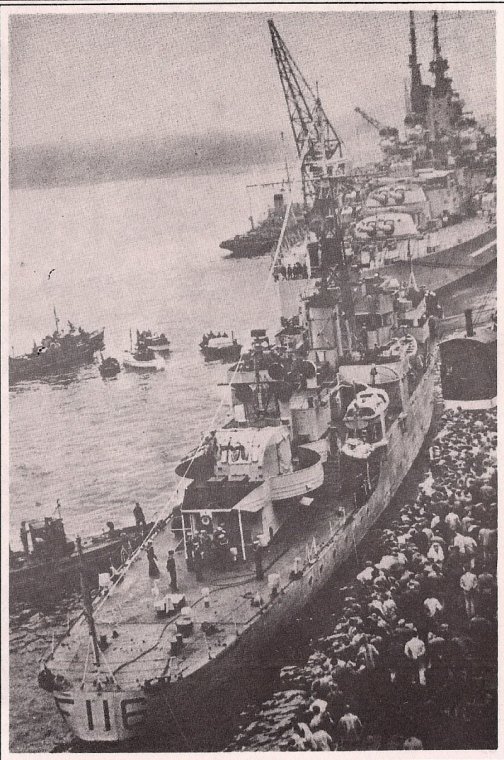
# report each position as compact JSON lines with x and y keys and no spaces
{"x":143,"y":360}
{"x":219,"y":346}
{"x":158,"y":342}
{"x":109,"y":367}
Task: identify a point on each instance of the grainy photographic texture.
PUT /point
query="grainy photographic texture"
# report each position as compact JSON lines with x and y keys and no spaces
{"x":251,"y":382}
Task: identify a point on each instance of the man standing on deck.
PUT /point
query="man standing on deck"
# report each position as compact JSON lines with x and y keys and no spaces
{"x":24,"y":538}
{"x":139,"y":517}
{"x":172,"y":569}
{"x":258,"y":552}
{"x":198,"y":559}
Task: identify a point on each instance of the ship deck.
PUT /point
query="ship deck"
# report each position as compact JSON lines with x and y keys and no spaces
{"x":458,"y":254}
{"x":142,"y":647}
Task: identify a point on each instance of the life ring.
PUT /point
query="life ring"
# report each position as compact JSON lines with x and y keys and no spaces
{"x":206,"y":520}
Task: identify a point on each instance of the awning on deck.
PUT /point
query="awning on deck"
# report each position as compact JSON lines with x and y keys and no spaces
{"x":254,"y":501}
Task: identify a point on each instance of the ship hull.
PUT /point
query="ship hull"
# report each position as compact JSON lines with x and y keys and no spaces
{"x":152,"y":365}
{"x":184,"y":709}
{"x":439,"y":270}
{"x":248,"y":248}
{"x":227,"y":354}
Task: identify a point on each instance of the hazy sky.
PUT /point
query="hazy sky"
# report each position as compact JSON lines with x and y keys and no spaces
{"x":112,"y":76}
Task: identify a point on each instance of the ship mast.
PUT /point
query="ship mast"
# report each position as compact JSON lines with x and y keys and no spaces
{"x":315,"y":137}
{"x":417,"y":96}
{"x":88,"y":605}
{"x":56,"y":319}
{"x":438,"y":65}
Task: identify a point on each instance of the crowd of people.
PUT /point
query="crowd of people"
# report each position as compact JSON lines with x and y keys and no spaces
{"x":296,"y":271}
{"x":57,"y":339}
{"x":412,"y":661}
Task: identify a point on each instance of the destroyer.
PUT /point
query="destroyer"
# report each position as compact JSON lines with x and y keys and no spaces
{"x":326,"y":423}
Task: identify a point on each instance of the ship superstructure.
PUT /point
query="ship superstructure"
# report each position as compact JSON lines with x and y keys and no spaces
{"x":438,"y":129}
{"x":431,"y":201}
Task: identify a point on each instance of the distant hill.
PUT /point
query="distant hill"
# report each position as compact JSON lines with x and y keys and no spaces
{"x":56,"y":165}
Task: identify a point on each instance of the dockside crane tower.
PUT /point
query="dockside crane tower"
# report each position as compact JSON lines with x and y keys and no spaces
{"x":318,"y":146}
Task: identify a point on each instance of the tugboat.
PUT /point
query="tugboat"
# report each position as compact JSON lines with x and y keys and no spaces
{"x":263,"y":238}
{"x":326,"y":424}
{"x":109,"y":367}
{"x":157,"y":342}
{"x":469,"y":366}
{"x":48,"y":565}
{"x":56,"y":354}
{"x":142,"y":359}
{"x":220,"y":347}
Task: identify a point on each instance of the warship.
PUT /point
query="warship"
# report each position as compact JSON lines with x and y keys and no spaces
{"x":432,"y":199}
{"x":326,"y":424}
{"x":327,"y":419}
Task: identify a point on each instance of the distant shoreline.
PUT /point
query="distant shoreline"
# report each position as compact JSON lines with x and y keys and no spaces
{"x":47,"y":166}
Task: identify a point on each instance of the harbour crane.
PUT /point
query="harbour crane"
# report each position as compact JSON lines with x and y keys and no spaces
{"x":318,"y":146}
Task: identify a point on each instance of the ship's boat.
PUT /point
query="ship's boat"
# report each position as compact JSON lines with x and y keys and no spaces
{"x":158,"y":342}
{"x":220,"y":347}
{"x":326,"y":422}
{"x":56,"y":354}
{"x":48,"y":565}
{"x":109,"y":367}
{"x":143,"y":359}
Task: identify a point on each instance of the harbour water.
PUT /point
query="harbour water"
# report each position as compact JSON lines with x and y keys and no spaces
{"x":140,"y":254}
{"x":122,"y":255}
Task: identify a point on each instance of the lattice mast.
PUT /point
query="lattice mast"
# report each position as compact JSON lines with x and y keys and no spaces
{"x":315,"y":137}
